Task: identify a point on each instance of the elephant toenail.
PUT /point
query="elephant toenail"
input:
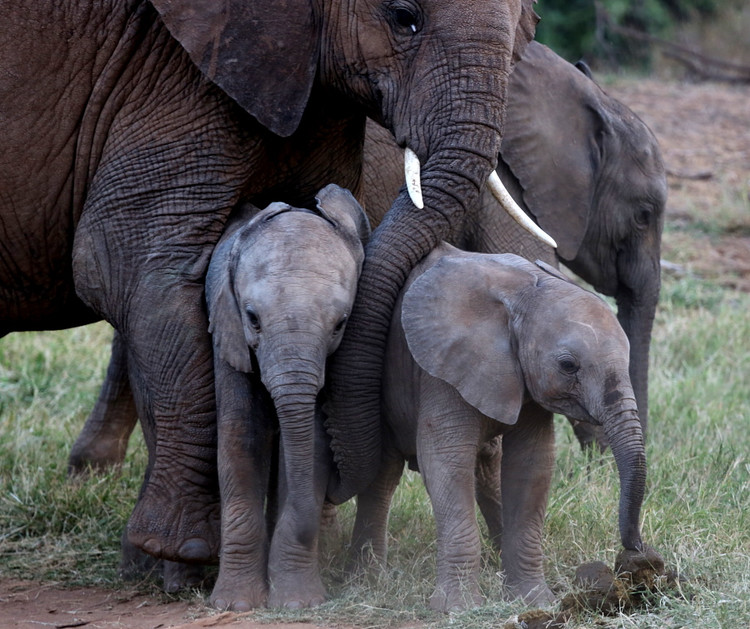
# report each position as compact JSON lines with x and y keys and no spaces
{"x":195,"y":550}
{"x":152,"y":547}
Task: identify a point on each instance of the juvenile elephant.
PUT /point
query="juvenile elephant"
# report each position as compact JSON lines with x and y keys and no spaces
{"x":131,"y":128}
{"x":591,"y":174}
{"x":483,"y":345}
{"x":279,"y":290}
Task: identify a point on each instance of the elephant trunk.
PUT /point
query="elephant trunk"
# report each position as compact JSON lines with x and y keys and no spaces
{"x":451,"y":182}
{"x":295,"y":394}
{"x":292,"y":367}
{"x":623,"y":430}
{"x":635,"y":312}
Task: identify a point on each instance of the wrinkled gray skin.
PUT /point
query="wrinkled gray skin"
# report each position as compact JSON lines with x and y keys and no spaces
{"x":483,"y":345}
{"x":591,"y":174}
{"x":279,"y":290}
{"x":132,"y":128}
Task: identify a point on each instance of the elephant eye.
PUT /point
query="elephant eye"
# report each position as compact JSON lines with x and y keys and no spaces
{"x":405,"y":17}
{"x":568,"y":365}
{"x":253,"y":319}
{"x":340,"y":325}
{"x":643,"y":216}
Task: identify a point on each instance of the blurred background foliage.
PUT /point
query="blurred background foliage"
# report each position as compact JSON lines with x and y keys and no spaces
{"x":624,"y":34}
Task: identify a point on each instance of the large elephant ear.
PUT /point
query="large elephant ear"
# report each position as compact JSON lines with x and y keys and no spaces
{"x":456,"y":319}
{"x":552,"y":145}
{"x":224,"y":322}
{"x":262,"y":54}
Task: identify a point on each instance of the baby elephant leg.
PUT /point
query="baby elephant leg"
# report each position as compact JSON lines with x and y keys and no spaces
{"x":369,"y":537}
{"x":526,"y":471}
{"x":488,"y":488}
{"x":447,"y":442}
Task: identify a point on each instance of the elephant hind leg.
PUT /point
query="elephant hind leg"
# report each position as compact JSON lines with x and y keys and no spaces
{"x":369,"y":547}
{"x":103,"y":440}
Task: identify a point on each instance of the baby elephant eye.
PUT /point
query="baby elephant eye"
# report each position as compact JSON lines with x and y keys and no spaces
{"x":253,"y":319}
{"x":340,"y":325}
{"x":568,"y":365}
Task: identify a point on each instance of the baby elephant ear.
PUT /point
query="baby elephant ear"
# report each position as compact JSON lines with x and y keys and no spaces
{"x":262,"y":54}
{"x":340,"y":207}
{"x":459,"y":330}
{"x":225,"y":323}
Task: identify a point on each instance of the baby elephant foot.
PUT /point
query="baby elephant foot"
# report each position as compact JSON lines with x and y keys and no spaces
{"x":296,"y":591}
{"x":239,"y":594}
{"x":533,"y":593}
{"x":456,"y":598}
{"x":181,"y":528}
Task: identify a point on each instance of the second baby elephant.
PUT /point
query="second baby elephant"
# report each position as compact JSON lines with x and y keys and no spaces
{"x":279,"y":290}
{"x":483,"y":345}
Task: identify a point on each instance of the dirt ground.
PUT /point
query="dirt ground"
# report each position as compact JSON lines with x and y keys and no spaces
{"x":704,"y":131}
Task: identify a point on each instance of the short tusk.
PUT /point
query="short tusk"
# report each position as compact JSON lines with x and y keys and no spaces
{"x":412,"y":170}
{"x":512,"y":208}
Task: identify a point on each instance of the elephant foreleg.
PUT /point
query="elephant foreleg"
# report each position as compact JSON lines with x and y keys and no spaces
{"x":526,"y":472}
{"x":245,"y":440}
{"x":448,"y":438}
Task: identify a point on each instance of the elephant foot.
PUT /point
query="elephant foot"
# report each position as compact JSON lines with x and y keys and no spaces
{"x":181,"y":576}
{"x":535,"y":593}
{"x":456,"y":598}
{"x":100,"y":456}
{"x":239,"y":592}
{"x":182,"y":528}
{"x":297,"y":591}
{"x":135,"y":565}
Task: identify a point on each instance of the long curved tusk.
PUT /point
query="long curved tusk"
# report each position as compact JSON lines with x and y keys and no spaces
{"x":412,"y":169}
{"x":512,"y":208}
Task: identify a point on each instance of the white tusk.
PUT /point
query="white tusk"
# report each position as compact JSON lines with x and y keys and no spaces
{"x":412,"y":168}
{"x":512,"y":208}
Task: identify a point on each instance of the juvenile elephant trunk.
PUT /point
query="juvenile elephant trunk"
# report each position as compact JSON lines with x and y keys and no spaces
{"x":295,"y":397}
{"x":623,"y":430}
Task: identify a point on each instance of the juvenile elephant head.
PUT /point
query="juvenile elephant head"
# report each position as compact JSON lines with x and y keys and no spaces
{"x":499,"y":328}
{"x":280,"y":286}
{"x":434,"y":73}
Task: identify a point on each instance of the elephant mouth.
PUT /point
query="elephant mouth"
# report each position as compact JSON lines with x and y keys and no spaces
{"x":412,"y":173}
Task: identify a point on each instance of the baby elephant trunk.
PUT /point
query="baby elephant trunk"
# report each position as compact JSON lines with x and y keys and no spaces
{"x":625,"y":435}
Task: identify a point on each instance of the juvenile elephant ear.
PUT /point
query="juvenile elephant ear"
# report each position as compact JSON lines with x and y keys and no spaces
{"x":224,"y":322}
{"x":551,"y":143}
{"x":340,"y":206}
{"x":262,"y":54}
{"x":458,"y":329}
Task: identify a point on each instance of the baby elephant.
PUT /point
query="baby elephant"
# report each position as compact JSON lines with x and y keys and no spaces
{"x":279,"y":289}
{"x":482,"y":346}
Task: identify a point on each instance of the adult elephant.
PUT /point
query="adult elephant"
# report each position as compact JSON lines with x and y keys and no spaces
{"x":131,"y":129}
{"x":591,"y":174}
